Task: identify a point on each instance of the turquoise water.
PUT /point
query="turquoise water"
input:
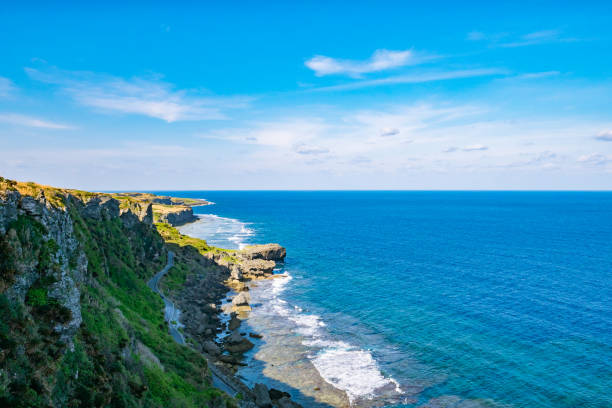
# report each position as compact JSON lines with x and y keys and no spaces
{"x":461,"y":298}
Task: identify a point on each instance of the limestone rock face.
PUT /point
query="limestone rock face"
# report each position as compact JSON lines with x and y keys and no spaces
{"x":268,"y":252}
{"x":136,"y":212}
{"x":257,"y":268}
{"x":67,"y":264}
{"x":8,"y":208}
{"x":101,"y":207}
{"x":175,"y":215}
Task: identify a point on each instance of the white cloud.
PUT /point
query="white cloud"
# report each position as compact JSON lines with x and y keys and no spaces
{"x":140,"y":96}
{"x":379,"y":61}
{"x":605,"y":136}
{"x":389,"y":132}
{"x":29,"y":121}
{"x":416,"y":78}
{"x":333,"y":148}
{"x":475,"y":147}
{"x":6,"y":87}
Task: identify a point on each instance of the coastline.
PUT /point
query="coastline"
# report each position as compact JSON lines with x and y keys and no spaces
{"x":283,"y":357}
{"x":212,"y":314}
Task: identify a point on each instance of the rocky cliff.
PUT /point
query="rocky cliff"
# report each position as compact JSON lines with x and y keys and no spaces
{"x":79,"y":327}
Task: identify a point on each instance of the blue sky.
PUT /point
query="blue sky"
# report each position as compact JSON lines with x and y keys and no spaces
{"x":325,"y":95}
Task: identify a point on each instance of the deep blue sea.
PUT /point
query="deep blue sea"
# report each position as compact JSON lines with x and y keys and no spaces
{"x":452,"y":299}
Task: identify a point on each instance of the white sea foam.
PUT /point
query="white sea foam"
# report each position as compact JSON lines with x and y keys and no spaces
{"x":352,"y":370}
{"x":219,"y":231}
{"x":340,"y":363}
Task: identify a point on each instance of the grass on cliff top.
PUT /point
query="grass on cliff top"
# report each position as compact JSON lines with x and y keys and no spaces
{"x":169,"y":208}
{"x":54,"y":195}
{"x":57,"y":196}
{"x":149,"y":197}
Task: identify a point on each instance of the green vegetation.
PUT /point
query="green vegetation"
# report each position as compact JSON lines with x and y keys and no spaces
{"x":175,"y":278}
{"x":123,"y":355}
{"x":37,"y":297}
{"x":121,"y":310}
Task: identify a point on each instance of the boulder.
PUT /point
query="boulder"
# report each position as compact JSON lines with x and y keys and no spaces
{"x":241,"y":299}
{"x":235,"y":343}
{"x":262,"y":396}
{"x":211,"y":348}
{"x":229,"y":360}
{"x":277,"y":394}
{"x":234,"y":322}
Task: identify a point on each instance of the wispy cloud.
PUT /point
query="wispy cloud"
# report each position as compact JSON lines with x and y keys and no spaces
{"x":594,"y":159}
{"x":6,"y":87}
{"x":310,"y":149}
{"x":380,"y":60}
{"x":481,"y":36}
{"x":475,"y":147}
{"x":29,"y":121}
{"x":536,"y":37}
{"x":416,"y":78}
{"x":538,"y":75}
{"x":604,"y":136}
{"x":507,"y":40}
{"x":141,"y":96}
{"x":470,"y":148}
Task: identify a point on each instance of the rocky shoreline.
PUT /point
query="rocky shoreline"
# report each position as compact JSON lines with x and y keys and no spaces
{"x":214,"y":328}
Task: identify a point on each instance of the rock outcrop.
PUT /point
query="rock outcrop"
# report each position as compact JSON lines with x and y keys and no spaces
{"x":174,"y":215}
{"x":132,"y":213}
{"x":268,"y":252}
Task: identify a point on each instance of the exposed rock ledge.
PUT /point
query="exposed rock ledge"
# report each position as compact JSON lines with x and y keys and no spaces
{"x":251,"y":263}
{"x":174,"y":215}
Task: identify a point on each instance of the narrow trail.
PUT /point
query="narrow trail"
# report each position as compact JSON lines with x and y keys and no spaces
{"x":172,"y":315}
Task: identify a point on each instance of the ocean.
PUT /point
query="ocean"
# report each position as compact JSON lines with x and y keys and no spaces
{"x":438,"y":299}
